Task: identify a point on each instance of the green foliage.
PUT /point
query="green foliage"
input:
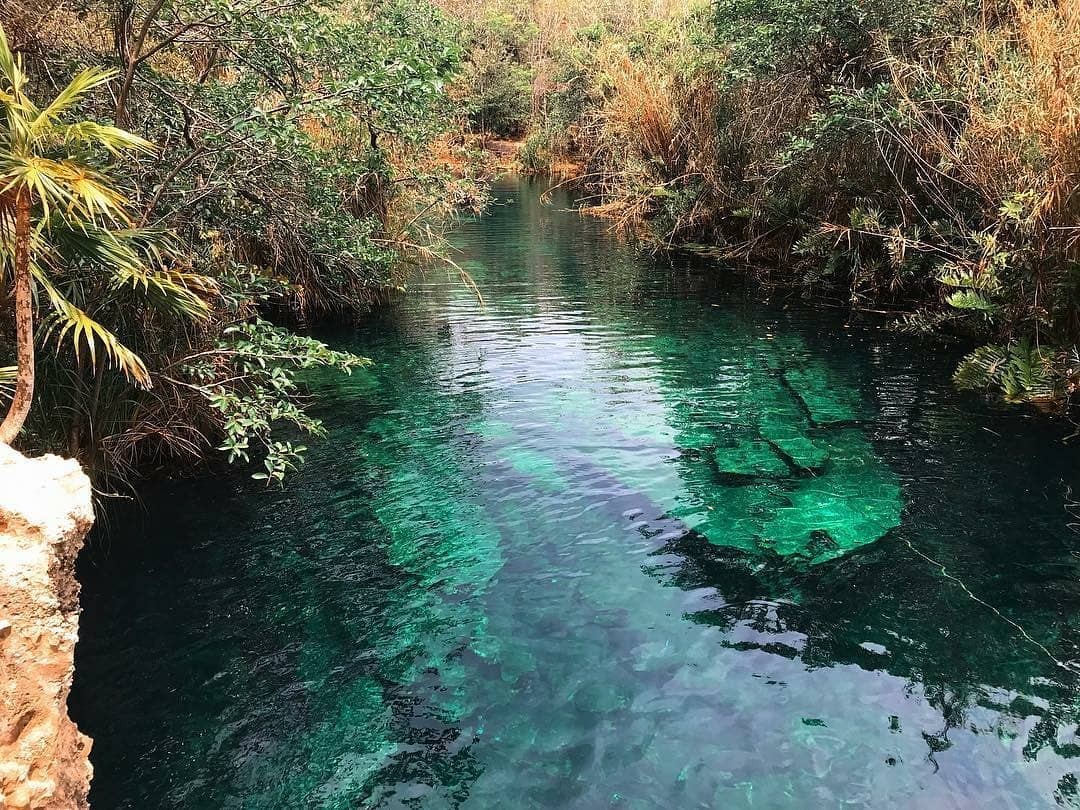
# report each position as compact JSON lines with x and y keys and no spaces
{"x":8,"y":375}
{"x":772,"y":35}
{"x":535,"y":152}
{"x":1023,"y":372}
{"x":916,"y":156}
{"x":250,"y":379}
{"x":496,"y":80}
{"x":302,"y":182}
{"x":971,"y":301}
{"x":77,"y":218}
{"x":289,"y":172}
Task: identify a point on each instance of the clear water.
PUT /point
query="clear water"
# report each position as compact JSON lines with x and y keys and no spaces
{"x":622,"y":537}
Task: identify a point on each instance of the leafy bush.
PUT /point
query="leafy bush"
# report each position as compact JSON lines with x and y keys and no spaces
{"x":496,"y":83}
{"x":291,"y":164}
{"x":535,"y":152}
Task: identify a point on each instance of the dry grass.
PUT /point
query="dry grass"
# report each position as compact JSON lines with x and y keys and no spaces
{"x":664,"y":129}
{"x":561,"y":18}
{"x":1050,"y":86}
{"x":998,"y":150}
{"x":643,"y":114}
{"x":1001,"y":128}
{"x":1016,"y":130}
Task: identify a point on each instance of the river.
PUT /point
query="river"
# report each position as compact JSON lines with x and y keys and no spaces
{"x":625,"y":534}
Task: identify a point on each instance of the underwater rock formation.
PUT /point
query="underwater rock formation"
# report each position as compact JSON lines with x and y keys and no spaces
{"x":792,"y":473}
{"x":45,"y":512}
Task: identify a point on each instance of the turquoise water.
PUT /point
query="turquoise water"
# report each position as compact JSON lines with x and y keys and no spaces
{"x":623,"y":536}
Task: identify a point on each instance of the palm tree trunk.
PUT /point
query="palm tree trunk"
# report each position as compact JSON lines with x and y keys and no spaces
{"x":24,"y":323}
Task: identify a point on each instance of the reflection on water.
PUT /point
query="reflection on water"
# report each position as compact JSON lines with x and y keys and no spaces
{"x":617,"y":538}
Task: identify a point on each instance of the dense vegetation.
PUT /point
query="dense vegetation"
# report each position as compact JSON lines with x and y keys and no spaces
{"x":224,"y":172}
{"x":916,"y":157}
{"x":216,"y":172}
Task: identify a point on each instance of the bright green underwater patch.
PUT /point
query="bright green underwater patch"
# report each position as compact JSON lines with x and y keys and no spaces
{"x":824,"y":395}
{"x":789,"y":475}
{"x":480,"y":591}
{"x":752,"y":458}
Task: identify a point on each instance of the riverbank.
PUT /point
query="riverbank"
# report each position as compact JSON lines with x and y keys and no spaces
{"x":282,"y":175}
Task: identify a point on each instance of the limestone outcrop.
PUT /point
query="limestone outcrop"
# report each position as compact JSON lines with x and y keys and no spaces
{"x":45,"y":512}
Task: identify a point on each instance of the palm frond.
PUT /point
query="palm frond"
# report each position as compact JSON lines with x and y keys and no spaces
{"x":37,"y":174}
{"x":8,"y":375}
{"x":64,"y":186}
{"x":168,"y":290}
{"x":69,"y":320}
{"x":90,"y":133}
{"x":135,"y":259}
{"x":10,"y":68}
{"x":83,"y":83}
{"x":94,"y":198}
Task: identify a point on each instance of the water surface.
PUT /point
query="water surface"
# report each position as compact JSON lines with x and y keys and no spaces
{"x":623,"y":536}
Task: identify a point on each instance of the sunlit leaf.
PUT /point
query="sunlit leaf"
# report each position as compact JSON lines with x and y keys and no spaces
{"x":69,"y":321}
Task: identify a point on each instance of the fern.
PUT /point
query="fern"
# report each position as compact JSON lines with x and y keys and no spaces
{"x":983,"y":280}
{"x":1023,"y":373}
{"x":924,"y":322}
{"x":981,"y":368}
{"x":866,"y":219}
{"x":818,"y":243}
{"x":1030,"y":375}
{"x":969,"y":300}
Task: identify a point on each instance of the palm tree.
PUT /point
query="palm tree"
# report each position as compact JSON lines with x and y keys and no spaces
{"x":57,"y":212}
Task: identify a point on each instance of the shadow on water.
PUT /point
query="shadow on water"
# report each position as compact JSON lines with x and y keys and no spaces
{"x":625,"y":536}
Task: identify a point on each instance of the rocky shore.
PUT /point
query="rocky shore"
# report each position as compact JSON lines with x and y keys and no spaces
{"x":45,"y":513}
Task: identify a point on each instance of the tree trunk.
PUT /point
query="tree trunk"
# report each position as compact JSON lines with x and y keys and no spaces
{"x":24,"y":323}
{"x":80,"y":403}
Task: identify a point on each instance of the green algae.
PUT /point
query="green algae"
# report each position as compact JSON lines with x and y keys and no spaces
{"x":783,"y":425}
{"x":853,"y":503}
{"x":789,"y":478}
{"x":804,"y":453}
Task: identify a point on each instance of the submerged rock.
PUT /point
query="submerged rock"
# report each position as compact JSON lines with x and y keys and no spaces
{"x":803,"y":453}
{"x":750,"y":458}
{"x":855,"y":502}
{"x":783,"y":424}
{"x":792,"y":476}
{"x":828,"y":401}
{"x":45,"y":512}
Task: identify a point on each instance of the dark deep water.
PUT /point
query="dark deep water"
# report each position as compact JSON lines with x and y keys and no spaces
{"x":619,"y":538}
